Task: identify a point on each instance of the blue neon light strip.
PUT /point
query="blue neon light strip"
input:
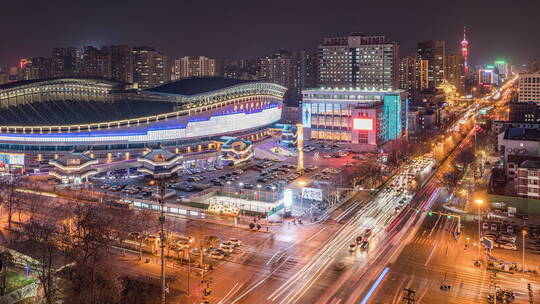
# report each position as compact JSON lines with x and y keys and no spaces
{"x":374,"y":287}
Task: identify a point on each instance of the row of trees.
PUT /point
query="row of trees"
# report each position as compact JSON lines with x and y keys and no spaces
{"x":72,"y":247}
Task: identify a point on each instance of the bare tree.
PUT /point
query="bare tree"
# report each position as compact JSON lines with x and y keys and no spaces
{"x":10,"y":196}
{"x":92,"y":278}
{"x":41,"y":244}
{"x":145,"y":223}
{"x":7,"y":261}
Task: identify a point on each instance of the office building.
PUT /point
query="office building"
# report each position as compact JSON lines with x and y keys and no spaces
{"x":359,"y":61}
{"x":455,"y":72}
{"x":488,"y":76}
{"x":502,"y":68}
{"x":529,"y":88}
{"x":187,"y":67}
{"x":65,"y":62}
{"x":366,"y":119}
{"x":434,"y":53}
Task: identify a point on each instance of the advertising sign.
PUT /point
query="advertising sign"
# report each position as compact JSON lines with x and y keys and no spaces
{"x":363,"y":124}
{"x":11,"y":159}
{"x":312,"y":194}
{"x":306,"y":115}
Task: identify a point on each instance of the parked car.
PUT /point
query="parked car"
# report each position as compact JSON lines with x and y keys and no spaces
{"x":358,"y":240}
{"x":508,"y":246}
{"x":236,"y":242}
{"x":217,"y":255}
{"x":485,"y":226}
{"x":493,"y":227}
{"x":352,"y":247}
{"x":364,"y":245}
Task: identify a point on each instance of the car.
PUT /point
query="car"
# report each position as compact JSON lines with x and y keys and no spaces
{"x":217,"y":255}
{"x":227,"y":248}
{"x":508,"y":246}
{"x":327,"y":156}
{"x":364,"y":245}
{"x":485,"y":226}
{"x":510,"y":229}
{"x":236,"y":242}
{"x":367,"y":233}
{"x":358,"y":240}
{"x":493,"y":227}
{"x":352,"y":247}
{"x":248,"y":186}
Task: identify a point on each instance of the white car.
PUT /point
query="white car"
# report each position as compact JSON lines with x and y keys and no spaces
{"x":352,"y":247}
{"x":236,"y":242}
{"x":216,"y":255}
{"x":493,"y":227}
{"x":485,"y":226}
{"x":508,"y":246}
{"x":227,"y":247}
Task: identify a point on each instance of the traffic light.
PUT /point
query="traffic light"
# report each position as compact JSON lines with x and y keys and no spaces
{"x":448,"y":216}
{"x":430,"y":213}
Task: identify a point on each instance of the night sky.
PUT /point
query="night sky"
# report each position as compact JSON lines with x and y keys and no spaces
{"x":248,"y":29}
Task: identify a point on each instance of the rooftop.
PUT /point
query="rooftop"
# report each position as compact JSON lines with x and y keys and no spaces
{"x":194,"y":86}
{"x":522,"y":134}
{"x":530,"y":164}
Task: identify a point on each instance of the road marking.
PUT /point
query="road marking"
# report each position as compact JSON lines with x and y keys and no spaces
{"x":314,"y":235}
{"x":228,"y":293}
{"x":431,"y":254}
{"x":265,"y":278}
{"x":269,"y":261}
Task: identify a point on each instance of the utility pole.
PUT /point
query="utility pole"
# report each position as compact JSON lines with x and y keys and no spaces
{"x":410,"y":296}
{"x":161,"y":189}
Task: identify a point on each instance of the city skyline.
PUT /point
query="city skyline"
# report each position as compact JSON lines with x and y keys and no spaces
{"x":178,"y":31}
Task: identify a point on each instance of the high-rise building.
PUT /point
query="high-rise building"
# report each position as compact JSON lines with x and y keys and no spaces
{"x":529,"y":88}
{"x":240,"y":68}
{"x":42,"y":67}
{"x":413,"y":73}
{"x":26,"y":71}
{"x":121,"y":62}
{"x":434,"y":53}
{"x":277,"y":68}
{"x":89,"y":62}
{"x":502,"y":68}
{"x":187,"y":67}
{"x":65,"y":62}
{"x":359,"y":61}
{"x":304,"y":74}
{"x":455,"y":72}
{"x":148,"y":67}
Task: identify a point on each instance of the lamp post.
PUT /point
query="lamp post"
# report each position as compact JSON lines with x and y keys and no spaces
{"x":479,"y":202}
{"x":523,"y":233}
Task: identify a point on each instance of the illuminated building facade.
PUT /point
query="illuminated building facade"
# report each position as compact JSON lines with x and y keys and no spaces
{"x":529,"y":88}
{"x":359,"y":61}
{"x":201,"y":66}
{"x":115,"y":122}
{"x":365,"y":119}
{"x":434,"y":53}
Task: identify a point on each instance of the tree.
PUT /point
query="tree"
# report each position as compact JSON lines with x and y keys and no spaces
{"x":144,"y":224}
{"x":92,"y":278}
{"x":41,"y":244}
{"x":7,"y":261}
{"x":10,"y":196}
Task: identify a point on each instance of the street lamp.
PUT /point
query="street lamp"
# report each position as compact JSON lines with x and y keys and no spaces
{"x":523,"y":233}
{"x":479,"y":202}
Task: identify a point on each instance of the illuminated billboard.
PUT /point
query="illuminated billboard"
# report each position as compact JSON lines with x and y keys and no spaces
{"x":363,"y":124}
{"x":11,"y":159}
{"x":306,"y":115}
{"x":312,"y":194}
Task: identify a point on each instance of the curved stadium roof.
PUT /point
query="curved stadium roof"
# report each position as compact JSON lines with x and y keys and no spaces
{"x":71,"y":101}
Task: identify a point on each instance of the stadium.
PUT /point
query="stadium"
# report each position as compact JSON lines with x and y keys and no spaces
{"x":112,"y":121}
